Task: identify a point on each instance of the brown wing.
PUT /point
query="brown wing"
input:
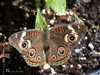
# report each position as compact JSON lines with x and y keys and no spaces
{"x":29,"y":43}
{"x":62,"y":39}
{"x":71,"y":33}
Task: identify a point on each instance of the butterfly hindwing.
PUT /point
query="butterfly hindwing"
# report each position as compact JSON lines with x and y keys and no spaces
{"x":59,"y":52}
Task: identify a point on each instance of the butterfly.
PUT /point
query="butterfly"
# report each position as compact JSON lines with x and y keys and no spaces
{"x":52,"y":46}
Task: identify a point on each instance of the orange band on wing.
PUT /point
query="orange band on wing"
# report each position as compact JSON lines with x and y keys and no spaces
{"x":60,"y":58}
{"x":35,"y":33}
{"x":63,"y":30}
{"x":34,"y":61}
{"x":57,"y":30}
{"x":30,"y":34}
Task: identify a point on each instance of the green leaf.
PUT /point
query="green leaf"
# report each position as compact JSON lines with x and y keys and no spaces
{"x":59,"y":6}
{"x":40,"y":23}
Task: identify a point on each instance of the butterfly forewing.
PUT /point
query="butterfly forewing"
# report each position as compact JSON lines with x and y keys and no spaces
{"x":71,"y":33}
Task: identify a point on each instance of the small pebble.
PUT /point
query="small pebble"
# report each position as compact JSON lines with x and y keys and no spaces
{"x":82,"y":58}
{"x":80,"y":66}
{"x":46,"y":66}
{"x":71,"y":66}
{"x":77,"y":50}
{"x":91,"y":46}
{"x":43,"y":11}
{"x":52,"y":21}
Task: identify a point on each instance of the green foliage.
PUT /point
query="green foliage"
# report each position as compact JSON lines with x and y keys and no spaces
{"x":59,"y":6}
{"x":94,"y":29}
{"x":40,"y":23}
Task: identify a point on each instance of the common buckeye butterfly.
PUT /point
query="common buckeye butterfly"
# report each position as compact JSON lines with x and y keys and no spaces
{"x":49,"y":46}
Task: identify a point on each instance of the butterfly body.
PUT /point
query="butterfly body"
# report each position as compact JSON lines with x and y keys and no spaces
{"x":49,"y":46}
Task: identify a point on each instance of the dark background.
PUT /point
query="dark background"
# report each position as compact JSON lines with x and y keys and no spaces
{"x":13,"y":18}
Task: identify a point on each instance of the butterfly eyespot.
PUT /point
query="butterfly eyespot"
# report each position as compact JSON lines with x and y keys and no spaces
{"x":71,"y":38}
{"x":32,"y":52}
{"x":54,"y":57}
{"x":24,"y":45}
{"x":38,"y":58}
{"x":61,"y":50}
